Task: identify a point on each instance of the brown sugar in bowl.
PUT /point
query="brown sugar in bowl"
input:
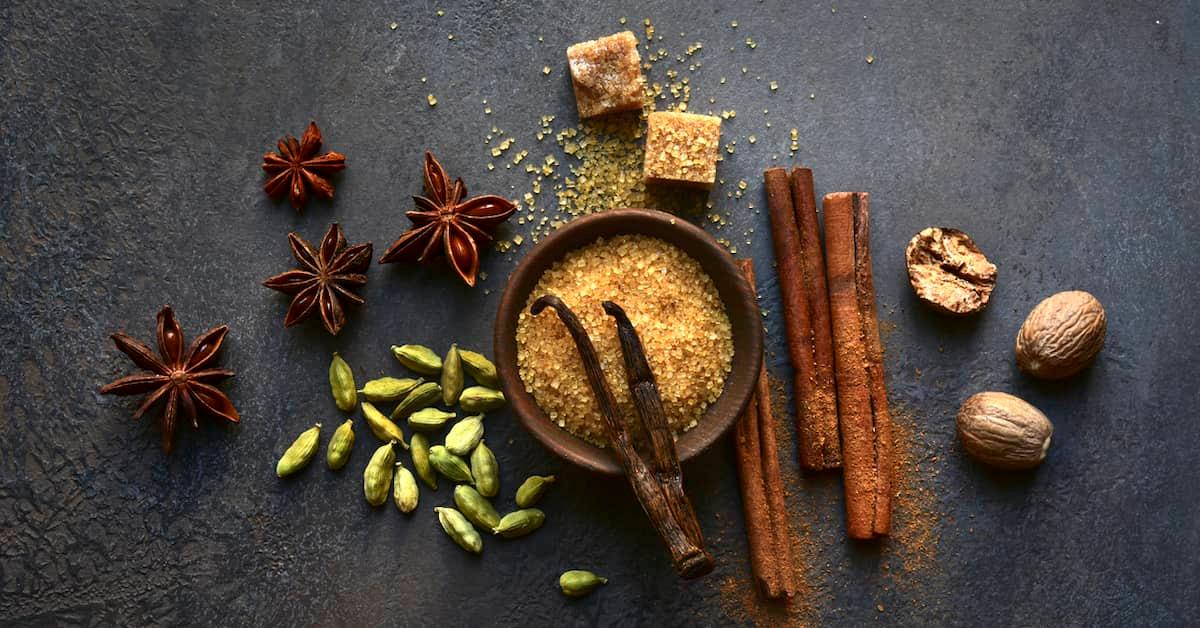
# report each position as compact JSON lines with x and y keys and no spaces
{"x":740,"y":306}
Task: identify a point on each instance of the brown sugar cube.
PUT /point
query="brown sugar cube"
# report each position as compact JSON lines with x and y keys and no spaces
{"x":681,"y":148}
{"x":607,"y":75}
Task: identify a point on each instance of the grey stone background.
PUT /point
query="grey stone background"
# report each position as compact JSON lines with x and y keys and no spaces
{"x":1063,"y":136}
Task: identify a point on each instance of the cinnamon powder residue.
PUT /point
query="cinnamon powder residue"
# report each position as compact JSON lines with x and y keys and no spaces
{"x":908,"y":558}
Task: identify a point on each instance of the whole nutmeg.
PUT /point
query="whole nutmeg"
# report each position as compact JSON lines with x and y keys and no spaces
{"x":1003,"y":431}
{"x":1062,"y":335}
{"x":948,"y":271}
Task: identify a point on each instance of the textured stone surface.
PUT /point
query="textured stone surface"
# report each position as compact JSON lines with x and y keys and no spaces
{"x":1062,"y":136}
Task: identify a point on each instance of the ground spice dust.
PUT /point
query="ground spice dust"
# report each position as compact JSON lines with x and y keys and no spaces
{"x":908,"y":558}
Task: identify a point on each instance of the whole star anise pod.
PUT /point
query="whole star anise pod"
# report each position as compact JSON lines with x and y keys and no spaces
{"x":325,"y":277}
{"x":296,"y":167}
{"x":179,"y":376}
{"x":446,"y":225}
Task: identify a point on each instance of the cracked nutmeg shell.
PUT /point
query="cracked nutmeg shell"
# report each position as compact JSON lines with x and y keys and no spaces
{"x":1062,"y":335}
{"x":948,"y":271}
{"x":1003,"y":431}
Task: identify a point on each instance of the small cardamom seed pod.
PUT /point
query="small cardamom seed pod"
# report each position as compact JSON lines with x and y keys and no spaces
{"x":486,"y":470}
{"x":465,"y":435}
{"x":479,"y":368}
{"x":452,"y":377}
{"x":532,"y":489}
{"x":405,"y":491}
{"x":377,"y":477}
{"x":476,"y":507}
{"x":578,"y":583}
{"x":429,"y":419}
{"x":519,"y":523}
{"x":459,"y":529}
{"x":449,"y":465}
{"x":300,"y":453}
{"x":340,"y":445}
{"x":341,"y":384}
{"x":418,"y":358}
{"x":388,"y":389}
{"x":421,"y":397}
{"x":420,"y":458}
{"x":480,"y":399}
{"x":382,"y":427}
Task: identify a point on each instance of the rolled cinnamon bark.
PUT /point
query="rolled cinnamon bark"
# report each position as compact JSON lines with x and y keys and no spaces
{"x":801,"y":267}
{"x":866,"y":424}
{"x":767,"y":528}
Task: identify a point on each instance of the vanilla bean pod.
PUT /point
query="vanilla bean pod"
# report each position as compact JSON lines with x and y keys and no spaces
{"x":688,"y":557}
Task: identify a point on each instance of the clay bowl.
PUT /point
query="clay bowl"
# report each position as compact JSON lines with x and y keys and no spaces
{"x":740,"y":306}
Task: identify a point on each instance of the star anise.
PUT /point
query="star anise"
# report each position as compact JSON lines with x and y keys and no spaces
{"x":295,"y":168}
{"x":325,"y":277}
{"x":179,"y":376}
{"x":446,"y":225}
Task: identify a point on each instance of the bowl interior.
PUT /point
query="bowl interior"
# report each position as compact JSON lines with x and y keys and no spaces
{"x":735,"y":293}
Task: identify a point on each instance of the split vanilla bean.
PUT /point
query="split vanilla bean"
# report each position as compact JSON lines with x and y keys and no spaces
{"x":767,"y":529}
{"x":801,"y":267}
{"x":862,"y":396}
{"x":659,"y":490}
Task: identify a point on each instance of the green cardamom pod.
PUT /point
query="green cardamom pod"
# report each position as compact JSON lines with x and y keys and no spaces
{"x":404,"y":491}
{"x":480,"y":399}
{"x":486,"y":470}
{"x":452,"y":377}
{"x":420,"y":458}
{"x":449,"y":465}
{"x":388,"y":389}
{"x":578,"y":583}
{"x":519,"y":523}
{"x":429,"y":419}
{"x":341,"y":384}
{"x":340,"y":445}
{"x":532,"y":489}
{"x":476,"y":507}
{"x":465,"y":435}
{"x":377,"y":477}
{"x":382,"y":427}
{"x":459,"y":529}
{"x":300,"y":453}
{"x":479,"y":368}
{"x":421,"y":397}
{"x":418,"y":358}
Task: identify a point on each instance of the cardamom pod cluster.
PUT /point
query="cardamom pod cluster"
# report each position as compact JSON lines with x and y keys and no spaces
{"x":463,"y":457}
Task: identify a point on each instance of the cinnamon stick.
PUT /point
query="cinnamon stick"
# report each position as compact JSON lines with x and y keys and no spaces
{"x":862,"y":396}
{"x":763,"y":505}
{"x":801,"y":267}
{"x":688,"y":555}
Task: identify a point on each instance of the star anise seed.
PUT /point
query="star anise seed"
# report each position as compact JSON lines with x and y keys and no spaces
{"x":446,"y":225}
{"x":296,"y":167}
{"x":179,"y":376}
{"x":325,"y":277}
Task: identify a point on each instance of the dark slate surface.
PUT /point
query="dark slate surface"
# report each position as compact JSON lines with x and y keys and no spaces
{"x":1063,"y":136}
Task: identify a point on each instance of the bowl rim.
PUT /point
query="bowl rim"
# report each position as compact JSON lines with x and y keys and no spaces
{"x":739,"y":384}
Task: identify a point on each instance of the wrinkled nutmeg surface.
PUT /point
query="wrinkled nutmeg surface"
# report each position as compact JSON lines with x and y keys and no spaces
{"x":1062,"y":335}
{"x":948,"y":271}
{"x":1003,"y":431}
